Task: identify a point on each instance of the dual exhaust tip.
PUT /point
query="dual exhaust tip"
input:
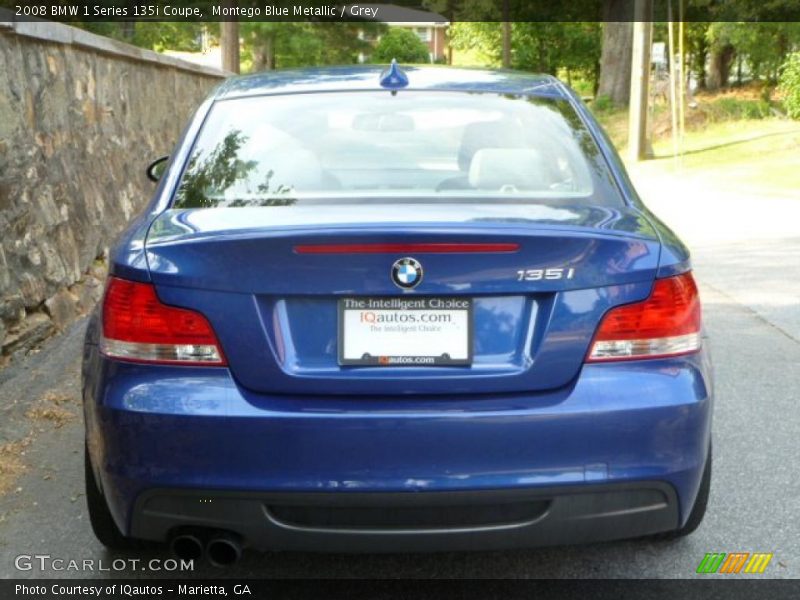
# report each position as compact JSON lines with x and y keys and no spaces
{"x":222,"y":548}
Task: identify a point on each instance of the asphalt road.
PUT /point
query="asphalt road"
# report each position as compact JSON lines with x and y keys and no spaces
{"x":747,"y":260}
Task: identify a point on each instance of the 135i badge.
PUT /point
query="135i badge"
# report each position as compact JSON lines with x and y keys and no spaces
{"x":545,"y":274}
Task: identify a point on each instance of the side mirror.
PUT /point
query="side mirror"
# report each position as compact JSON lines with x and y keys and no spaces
{"x":156,"y":168}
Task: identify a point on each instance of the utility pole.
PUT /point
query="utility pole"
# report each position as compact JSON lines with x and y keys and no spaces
{"x":638,"y":143}
{"x":229,"y":43}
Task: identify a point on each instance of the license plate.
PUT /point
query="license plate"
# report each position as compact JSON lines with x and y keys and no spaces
{"x":415,"y":332}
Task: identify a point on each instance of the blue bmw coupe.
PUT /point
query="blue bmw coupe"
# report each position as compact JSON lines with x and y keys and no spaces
{"x":395,"y":310}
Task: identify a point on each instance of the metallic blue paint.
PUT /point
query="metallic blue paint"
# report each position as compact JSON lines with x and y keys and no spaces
{"x":394,"y":78}
{"x":167,"y":427}
{"x":367,"y":77}
{"x":286,"y":417}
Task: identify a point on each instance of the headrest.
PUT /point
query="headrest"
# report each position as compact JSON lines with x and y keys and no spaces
{"x":488,"y":134}
{"x":496,"y":168}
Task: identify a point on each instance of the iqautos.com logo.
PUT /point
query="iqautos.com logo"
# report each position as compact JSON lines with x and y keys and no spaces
{"x":733,"y":563}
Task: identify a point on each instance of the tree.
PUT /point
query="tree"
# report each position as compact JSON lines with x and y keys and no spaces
{"x":210,"y":173}
{"x":271,"y":45}
{"x":401,"y":44}
{"x":615,"y":57}
{"x":482,"y":36}
{"x":757,"y":36}
{"x":697,"y":50}
{"x":260,"y":41}
{"x":538,"y":47}
{"x":759,"y":47}
{"x":550,"y":47}
{"x":718,"y":51}
{"x":153,"y":35}
{"x":722,"y":55}
{"x":790,"y":85}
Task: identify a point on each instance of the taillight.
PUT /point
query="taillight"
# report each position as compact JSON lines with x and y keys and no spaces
{"x":668,"y":323}
{"x":138,"y":327}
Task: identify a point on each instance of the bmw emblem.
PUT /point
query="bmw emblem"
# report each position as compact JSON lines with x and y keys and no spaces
{"x":406,"y":273}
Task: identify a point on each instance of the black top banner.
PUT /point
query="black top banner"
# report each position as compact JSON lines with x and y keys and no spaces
{"x":402,"y":11}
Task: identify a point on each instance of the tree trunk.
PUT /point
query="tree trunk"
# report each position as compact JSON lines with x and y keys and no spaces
{"x":129,"y":27}
{"x":506,"y":45}
{"x":229,"y":44}
{"x":263,"y":52}
{"x":783,"y":52}
{"x":719,"y":67}
{"x":739,"y":70}
{"x":259,"y":58}
{"x":595,"y":78}
{"x":451,"y":18}
{"x":699,"y":62}
{"x":615,"y":62}
{"x":543,"y":65}
{"x":615,"y":57}
{"x":506,"y":36}
{"x":270,"y":52}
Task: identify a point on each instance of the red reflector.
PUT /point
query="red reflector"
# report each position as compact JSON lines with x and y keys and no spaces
{"x":433,"y":248}
{"x":138,"y":326}
{"x":667,"y":323}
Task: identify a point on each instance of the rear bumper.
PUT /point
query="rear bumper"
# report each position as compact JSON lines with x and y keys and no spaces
{"x":617,"y":454}
{"x":408,"y":522}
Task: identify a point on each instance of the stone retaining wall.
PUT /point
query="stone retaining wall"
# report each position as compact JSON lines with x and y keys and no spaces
{"x":80,"y":117}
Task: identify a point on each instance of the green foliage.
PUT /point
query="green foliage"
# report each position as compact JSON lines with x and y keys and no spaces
{"x":582,"y":87}
{"x":153,"y":35}
{"x":749,"y":50}
{"x":602,"y":104}
{"x":269,"y":45}
{"x":696,"y":48}
{"x":211,"y":173}
{"x":762,"y":46}
{"x":732,"y":109}
{"x":546,"y":47}
{"x":400,"y":44}
{"x":482,"y":37}
{"x":789,"y":85}
{"x":539,"y":47}
{"x":520,"y":11}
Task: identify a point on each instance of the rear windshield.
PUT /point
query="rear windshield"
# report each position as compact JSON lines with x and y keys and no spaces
{"x":378,"y":147}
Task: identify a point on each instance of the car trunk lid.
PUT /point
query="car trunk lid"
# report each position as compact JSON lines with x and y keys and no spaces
{"x":269,"y":280}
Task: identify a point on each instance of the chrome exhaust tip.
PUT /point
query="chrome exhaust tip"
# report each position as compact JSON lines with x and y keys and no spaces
{"x":224,"y":549}
{"x":187,"y":546}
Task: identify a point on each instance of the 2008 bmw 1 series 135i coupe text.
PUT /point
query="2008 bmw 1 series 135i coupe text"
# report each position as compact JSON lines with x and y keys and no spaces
{"x":395,"y":310}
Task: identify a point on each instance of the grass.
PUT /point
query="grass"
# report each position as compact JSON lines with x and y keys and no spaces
{"x":472,"y":58}
{"x":735,"y":139}
{"x":747,"y":103}
{"x":750,"y":156}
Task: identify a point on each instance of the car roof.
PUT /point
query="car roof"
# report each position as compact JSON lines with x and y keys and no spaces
{"x":367,"y":77}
